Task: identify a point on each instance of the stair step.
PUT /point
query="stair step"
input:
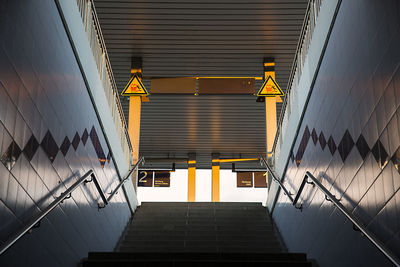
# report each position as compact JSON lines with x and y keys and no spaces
{"x":199,"y":256}
{"x":138,"y":263}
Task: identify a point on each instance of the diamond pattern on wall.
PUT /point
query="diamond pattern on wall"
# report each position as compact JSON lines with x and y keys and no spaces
{"x":314,"y":136}
{"x":109,"y":156}
{"x":75,"y":141}
{"x":303,"y":145}
{"x":10,"y":157}
{"x":322,"y":140}
{"x":380,"y":154}
{"x":396,"y":160}
{"x":85,"y":137}
{"x":49,"y":146}
{"x":346,"y":145}
{"x":362,"y":147}
{"x":31,"y":147}
{"x":331,"y":145}
{"x":97,"y":147}
{"x":65,"y":146}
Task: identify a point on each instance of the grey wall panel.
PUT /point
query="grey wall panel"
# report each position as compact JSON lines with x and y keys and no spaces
{"x":350,"y":136}
{"x":49,"y":136}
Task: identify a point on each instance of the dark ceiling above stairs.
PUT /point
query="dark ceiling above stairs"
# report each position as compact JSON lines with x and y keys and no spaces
{"x":217,"y":38}
{"x":200,"y":234}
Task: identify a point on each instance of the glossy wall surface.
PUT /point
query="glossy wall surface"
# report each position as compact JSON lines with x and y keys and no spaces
{"x":350,"y":140}
{"x":49,"y":137}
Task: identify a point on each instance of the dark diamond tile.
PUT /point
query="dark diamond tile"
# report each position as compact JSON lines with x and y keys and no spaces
{"x":314,"y":136}
{"x":380,"y":154}
{"x":75,"y":141}
{"x":31,"y":147}
{"x":322,"y":140}
{"x":49,"y":146}
{"x":362,"y":147}
{"x":85,"y":137}
{"x":65,"y":146}
{"x":108,"y":156}
{"x":345,"y":145}
{"x":396,"y":160}
{"x":97,"y":146}
{"x":303,"y":145}
{"x":331,"y":145}
{"x":10,"y":157}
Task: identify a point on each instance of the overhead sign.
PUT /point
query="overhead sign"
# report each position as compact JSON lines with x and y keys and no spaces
{"x":134,"y":87}
{"x":162,"y":179}
{"x":244,"y":179}
{"x":145,"y":178}
{"x":270,"y":88}
{"x":260,"y":179}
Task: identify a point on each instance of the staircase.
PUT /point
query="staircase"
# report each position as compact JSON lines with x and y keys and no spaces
{"x":198,"y":234}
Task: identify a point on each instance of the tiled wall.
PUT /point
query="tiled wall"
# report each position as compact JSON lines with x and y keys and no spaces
{"x":49,"y":137}
{"x":350,"y":140}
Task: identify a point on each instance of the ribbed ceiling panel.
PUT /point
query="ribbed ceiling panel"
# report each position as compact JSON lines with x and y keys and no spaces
{"x":180,"y":38}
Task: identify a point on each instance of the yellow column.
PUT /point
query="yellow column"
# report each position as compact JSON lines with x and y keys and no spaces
{"x":192,"y":178}
{"x":270,"y":108}
{"x":215,"y":178}
{"x":135,"y":106}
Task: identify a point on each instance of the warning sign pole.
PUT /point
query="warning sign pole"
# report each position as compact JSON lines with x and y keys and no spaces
{"x":270,"y":107}
{"x":135,"y":105}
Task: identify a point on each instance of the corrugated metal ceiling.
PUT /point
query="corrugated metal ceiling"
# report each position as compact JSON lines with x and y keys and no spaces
{"x":178,"y":38}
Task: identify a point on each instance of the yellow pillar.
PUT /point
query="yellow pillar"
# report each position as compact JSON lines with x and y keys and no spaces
{"x":135,"y":105}
{"x":270,"y":108}
{"x":192,"y":178}
{"x":215,"y":178}
{"x":135,"y":108}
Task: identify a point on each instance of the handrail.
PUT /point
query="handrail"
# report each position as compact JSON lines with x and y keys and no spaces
{"x":328,"y":196}
{"x":303,"y":44}
{"x":123,"y":181}
{"x":35,"y":221}
{"x":93,"y":30}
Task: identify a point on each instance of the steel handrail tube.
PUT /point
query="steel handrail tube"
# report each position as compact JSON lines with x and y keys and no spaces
{"x":124,"y":180}
{"x":36,"y":219}
{"x":363,"y":229}
{"x":277,"y":180}
{"x":367,"y":233}
{"x":42,"y":214}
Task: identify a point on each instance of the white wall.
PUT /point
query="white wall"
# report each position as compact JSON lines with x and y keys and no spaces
{"x":178,"y":190}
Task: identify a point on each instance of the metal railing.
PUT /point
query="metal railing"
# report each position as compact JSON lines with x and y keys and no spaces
{"x":86,"y":178}
{"x":358,"y":225}
{"x":303,"y":45}
{"x":96,"y":40}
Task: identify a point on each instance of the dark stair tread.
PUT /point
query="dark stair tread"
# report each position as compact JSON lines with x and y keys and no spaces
{"x":210,"y":256}
{"x":197,"y":263}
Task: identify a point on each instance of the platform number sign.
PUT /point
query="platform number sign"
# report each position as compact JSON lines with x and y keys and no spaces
{"x":145,"y":178}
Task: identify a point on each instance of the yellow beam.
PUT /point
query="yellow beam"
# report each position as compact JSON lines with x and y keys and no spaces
{"x":191,"y":179}
{"x":234,"y":160}
{"x":270,"y":109}
{"x":209,"y":77}
{"x":215,"y":180}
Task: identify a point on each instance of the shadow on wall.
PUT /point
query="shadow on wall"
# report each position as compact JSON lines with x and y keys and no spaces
{"x":39,"y":246}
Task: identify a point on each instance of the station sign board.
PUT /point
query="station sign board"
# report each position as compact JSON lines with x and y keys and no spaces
{"x":244,"y":179}
{"x":145,"y":178}
{"x":162,"y":179}
{"x":260,"y":179}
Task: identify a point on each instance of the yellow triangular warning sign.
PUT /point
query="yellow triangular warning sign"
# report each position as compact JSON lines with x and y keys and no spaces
{"x":270,"y":88}
{"x":134,"y":87}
